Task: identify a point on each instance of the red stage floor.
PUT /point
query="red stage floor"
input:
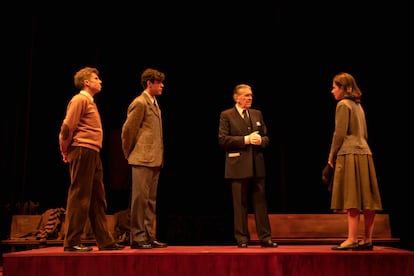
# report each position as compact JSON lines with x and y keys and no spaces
{"x":212,"y":260}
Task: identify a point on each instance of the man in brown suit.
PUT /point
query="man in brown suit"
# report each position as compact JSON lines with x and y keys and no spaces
{"x":142,"y":144}
{"x":243,"y":135}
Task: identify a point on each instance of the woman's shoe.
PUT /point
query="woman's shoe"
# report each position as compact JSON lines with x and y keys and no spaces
{"x":351,"y":246}
{"x":365,"y":246}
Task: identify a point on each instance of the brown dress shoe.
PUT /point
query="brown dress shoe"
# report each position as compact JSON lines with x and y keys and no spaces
{"x":141,"y":245}
{"x":113,"y":246}
{"x":158,"y":244}
{"x":268,"y":243}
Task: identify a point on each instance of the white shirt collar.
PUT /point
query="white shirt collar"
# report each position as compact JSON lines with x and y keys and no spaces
{"x":83,"y":92}
{"x":240,"y":110}
{"x":151,"y":97}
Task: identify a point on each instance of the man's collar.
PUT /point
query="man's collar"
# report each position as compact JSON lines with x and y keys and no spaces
{"x":83,"y":92}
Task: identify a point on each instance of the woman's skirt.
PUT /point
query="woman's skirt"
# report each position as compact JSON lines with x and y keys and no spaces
{"x":355,"y":184}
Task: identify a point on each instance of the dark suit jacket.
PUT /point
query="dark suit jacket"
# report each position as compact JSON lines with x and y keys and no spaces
{"x":242,"y":161}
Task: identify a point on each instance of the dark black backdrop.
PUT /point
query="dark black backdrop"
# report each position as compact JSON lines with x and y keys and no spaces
{"x":288,"y":53}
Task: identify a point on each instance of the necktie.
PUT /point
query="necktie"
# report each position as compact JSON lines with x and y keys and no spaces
{"x":246,"y":117}
{"x":156,"y":106}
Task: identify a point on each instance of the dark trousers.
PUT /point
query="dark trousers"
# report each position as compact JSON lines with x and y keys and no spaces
{"x":86,"y":198}
{"x":240,"y":191}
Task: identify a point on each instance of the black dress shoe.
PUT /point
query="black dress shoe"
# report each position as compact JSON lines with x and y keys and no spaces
{"x":242,"y":245}
{"x":141,"y":245}
{"x":77,"y":248}
{"x":113,"y":246}
{"x":158,"y":244}
{"x":268,"y":243}
{"x":351,"y":246}
{"x":364,"y":247}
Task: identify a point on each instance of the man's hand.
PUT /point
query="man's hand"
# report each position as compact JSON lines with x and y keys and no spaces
{"x":255,"y":138}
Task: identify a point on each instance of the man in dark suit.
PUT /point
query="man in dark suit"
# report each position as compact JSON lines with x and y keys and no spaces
{"x":143,"y":147}
{"x":243,"y":135}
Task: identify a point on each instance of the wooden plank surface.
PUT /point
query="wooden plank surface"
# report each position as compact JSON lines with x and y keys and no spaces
{"x":307,"y":226}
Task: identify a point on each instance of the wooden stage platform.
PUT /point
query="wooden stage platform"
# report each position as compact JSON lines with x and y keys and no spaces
{"x":285,"y":260}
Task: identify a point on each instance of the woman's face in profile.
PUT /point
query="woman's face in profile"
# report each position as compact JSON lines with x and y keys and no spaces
{"x":337,"y":92}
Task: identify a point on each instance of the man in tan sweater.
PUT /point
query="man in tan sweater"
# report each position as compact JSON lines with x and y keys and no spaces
{"x":80,"y":141}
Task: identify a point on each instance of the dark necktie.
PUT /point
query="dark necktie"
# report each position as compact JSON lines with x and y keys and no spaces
{"x":156,"y":106}
{"x":246,"y":117}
